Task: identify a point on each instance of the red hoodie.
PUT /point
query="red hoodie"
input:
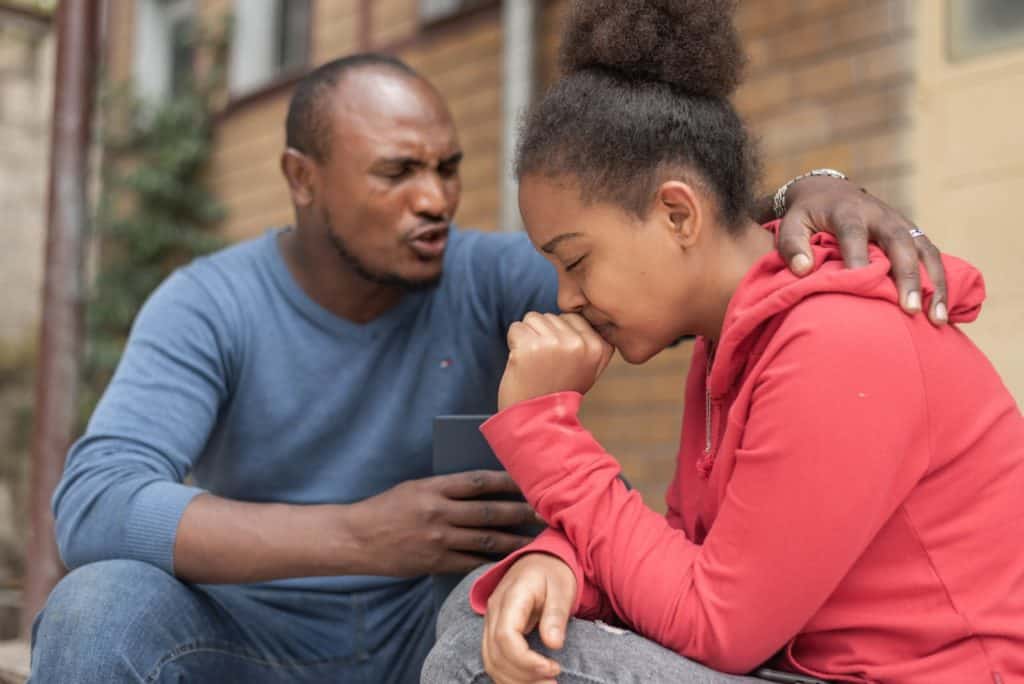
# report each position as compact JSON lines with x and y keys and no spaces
{"x":849,"y":491}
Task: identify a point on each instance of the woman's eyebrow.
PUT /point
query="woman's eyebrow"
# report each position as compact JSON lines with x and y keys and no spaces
{"x":549,"y":248}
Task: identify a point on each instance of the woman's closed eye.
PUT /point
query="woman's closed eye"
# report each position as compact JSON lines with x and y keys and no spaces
{"x":575,"y":263}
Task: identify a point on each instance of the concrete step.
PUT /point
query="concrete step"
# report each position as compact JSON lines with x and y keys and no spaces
{"x":14,"y":659}
{"x":10,"y":613}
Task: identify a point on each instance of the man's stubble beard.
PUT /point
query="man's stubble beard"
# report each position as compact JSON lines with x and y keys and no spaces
{"x":365,"y":272}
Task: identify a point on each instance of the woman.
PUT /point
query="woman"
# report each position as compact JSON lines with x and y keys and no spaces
{"x":878,"y":538}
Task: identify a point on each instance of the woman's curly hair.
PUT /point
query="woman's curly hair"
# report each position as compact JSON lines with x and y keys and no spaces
{"x":689,"y":44}
{"x":644,"y":92}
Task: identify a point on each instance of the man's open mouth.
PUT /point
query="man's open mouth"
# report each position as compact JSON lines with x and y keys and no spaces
{"x":429,"y":243}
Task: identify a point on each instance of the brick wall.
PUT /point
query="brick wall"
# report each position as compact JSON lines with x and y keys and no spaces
{"x":244,"y":169}
{"x":26,"y":94}
{"x":465,"y":65}
{"x":830,"y":83}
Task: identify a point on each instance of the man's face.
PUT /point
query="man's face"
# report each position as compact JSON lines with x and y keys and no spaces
{"x":390,"y":185}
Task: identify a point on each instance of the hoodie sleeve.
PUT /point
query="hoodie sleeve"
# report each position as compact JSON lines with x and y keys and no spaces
{"x":590,"y":603}
{"x":828,"y":452}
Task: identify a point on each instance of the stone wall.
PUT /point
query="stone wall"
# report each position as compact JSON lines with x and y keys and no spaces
{"x":26,"y":94}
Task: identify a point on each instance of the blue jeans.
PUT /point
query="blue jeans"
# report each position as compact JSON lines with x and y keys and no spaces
{"x":127,"y":621}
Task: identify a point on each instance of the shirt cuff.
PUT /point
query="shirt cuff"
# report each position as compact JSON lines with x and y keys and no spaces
{"x":151,"y":524}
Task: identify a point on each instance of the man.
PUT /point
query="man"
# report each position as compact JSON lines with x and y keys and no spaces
{"x":295,"y":378}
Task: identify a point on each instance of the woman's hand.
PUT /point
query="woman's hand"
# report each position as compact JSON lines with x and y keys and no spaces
{"x":538,"y":589}
{"x":550,"y":353}
{"x":855,"y":218}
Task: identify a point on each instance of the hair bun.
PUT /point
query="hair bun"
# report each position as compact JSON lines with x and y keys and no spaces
{"x":691,"y":45}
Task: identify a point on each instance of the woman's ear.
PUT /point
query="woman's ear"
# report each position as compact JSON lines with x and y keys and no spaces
{"x":300,"y":172}
{"x":677,"y":203}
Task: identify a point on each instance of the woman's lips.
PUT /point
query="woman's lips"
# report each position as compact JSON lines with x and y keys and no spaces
{"x":605,"y":330}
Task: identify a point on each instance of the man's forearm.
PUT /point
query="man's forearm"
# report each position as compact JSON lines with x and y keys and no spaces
{"x":224,"y":541}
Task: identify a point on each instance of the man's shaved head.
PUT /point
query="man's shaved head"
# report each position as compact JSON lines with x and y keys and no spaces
{"x":372,"y":161}
{"x":308,"y":126}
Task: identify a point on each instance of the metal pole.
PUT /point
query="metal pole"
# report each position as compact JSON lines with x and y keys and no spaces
{"x":56,"y":402}
{"x":519,"y":22}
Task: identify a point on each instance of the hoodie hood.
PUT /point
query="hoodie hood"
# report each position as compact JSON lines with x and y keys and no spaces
{"x":770,"y":289}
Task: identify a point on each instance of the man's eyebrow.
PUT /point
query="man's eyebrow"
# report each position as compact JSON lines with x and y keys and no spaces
{"x":454,"y":159}
{"x":416,"y":162}
{"x":399,"y":161}
{"x":549,"y":248}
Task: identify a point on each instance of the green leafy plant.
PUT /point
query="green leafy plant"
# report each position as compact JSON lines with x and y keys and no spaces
{"x":155,"y":211}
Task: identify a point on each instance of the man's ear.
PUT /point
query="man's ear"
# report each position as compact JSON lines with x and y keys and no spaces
{"x":677,"y":203}
{"x":300,"y":171}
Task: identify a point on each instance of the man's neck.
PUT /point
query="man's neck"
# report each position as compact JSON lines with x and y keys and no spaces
{"x":331,"y":283}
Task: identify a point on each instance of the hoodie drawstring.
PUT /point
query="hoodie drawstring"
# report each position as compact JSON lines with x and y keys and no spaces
{"x":706,"y":461}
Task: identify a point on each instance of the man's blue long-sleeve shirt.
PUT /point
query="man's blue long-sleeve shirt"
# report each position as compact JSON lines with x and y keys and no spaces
{"x":234,"y":375}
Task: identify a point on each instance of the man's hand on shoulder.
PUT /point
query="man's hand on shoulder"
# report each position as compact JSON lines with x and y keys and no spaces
{"x":821,"y":203}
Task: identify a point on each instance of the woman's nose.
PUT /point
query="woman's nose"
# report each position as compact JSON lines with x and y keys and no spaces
{"x":570,"y":297}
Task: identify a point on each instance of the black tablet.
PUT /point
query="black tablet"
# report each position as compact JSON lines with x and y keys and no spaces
{"x":459,"y":446}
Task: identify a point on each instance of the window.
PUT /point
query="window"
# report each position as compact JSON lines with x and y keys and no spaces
{"x":977,"y":27}
{"x":165,"y":47}
{"x":437,"y":10}
{"x":293,"y":35}
{"x":271,"y":38}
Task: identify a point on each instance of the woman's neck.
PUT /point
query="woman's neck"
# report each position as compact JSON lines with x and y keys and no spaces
{"x":740,"y":250}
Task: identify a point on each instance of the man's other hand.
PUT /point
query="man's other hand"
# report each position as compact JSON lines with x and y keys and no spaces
{"x":442,"y":524}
